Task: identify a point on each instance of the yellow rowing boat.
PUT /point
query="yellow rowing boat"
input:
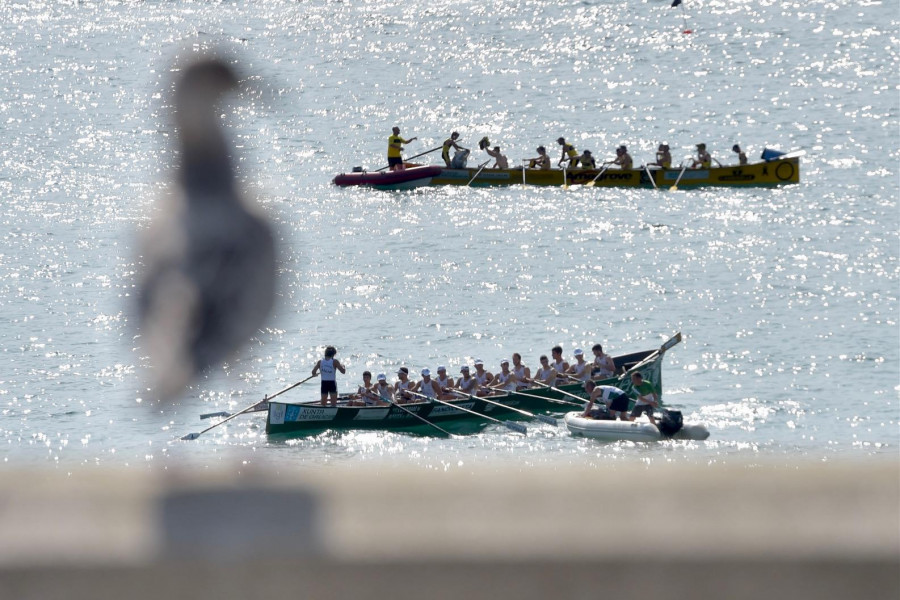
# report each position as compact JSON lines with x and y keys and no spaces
{"x":780,"y":171}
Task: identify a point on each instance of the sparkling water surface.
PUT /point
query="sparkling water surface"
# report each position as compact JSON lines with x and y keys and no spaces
{"x":787,"y":297}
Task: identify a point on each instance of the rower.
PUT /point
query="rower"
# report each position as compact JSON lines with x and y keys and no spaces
{"x":663,"y":157}
{"x":623,"y":159}
{"x":450,"y":143}
{"x":546,"y":374}
{"x":559,"y":364}
{"x":505,"y":380}
{"x":445,"y":383}
{"x":482,"y":377}
{"x":500,"y":161}
{"x":580,"y":369}
{"x":742,"y":157}
{"x":703,"y":160}
{"x":365,"y":394}
{"x":466,"y":383}
{"x":403,"y":386}
{"x":522,"y":373}
{"x":587,"y":160}
{"x":604,"y":366}
{"x":383,"y":390}
{"x":541,"y":161}
{"x":569,"y":153}
{"x":428,"y":387}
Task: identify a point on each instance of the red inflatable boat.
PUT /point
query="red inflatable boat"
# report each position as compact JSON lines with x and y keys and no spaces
{"x":406,"y":179}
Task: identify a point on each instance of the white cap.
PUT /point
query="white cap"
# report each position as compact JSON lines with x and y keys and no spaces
{"x":504,"y":362}
{"x":425,"y":372}
{"x":464,"y":368}
{"x":578,"y":352}
{"x":441,"y":368}
{"x":382,"y":377}
{"x":478,"y":361}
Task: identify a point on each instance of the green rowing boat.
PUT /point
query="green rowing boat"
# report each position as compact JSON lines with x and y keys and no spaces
{"x":457,"y":416}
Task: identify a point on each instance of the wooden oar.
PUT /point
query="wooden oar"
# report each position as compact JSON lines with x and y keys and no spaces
{"x":650,"y":175}
{"x":563,"y":392}
{"x":546,"y":399}
{"x":478,"y":172}
{"x":593,"y":181}
{"x":412,"y":157}
{"x":420,"y":417}
{"x":517,"y":427}
{"x":544,"y":418}
{"x":677,"y":181}
{"x":194,"y":436}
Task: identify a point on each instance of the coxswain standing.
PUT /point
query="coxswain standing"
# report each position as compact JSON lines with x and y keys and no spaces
{"x":327,"y":367}
{"x":395,"y":150}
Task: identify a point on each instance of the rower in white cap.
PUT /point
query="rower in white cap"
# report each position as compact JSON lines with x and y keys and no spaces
{"x":580,"y":369}
{"x":428,"y":387}
{"x":481,"y":376}
{"x":505,"y":380}
{"x":384,"y":390}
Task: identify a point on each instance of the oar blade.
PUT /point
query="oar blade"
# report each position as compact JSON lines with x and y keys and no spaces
{"x":221,"y":413}
{"x":190,"y":436}
{"x":517,"y":427}
{"x":546,"y":419}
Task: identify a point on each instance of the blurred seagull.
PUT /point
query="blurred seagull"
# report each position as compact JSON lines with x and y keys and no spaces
{"x":209,"y":256}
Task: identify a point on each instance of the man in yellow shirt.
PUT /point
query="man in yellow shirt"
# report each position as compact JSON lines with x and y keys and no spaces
{"x":395,"y":146}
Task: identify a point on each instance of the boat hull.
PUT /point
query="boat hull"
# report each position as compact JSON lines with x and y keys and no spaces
{"x":771,"y":173}
{"x":311,"y":417}
{"x":630,"y":431}
{"x":390,"y":180}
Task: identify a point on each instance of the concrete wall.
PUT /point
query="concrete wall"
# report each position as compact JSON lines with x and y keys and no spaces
{"x":628,"y":531}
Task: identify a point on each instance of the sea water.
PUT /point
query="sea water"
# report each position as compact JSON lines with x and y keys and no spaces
{"x":787,"y":298}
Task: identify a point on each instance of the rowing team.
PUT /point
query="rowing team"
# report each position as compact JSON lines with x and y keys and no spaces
{"x":570,"y":158}
{"x":511,"y":377}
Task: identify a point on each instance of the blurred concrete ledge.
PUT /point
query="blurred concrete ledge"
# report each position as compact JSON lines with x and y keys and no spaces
{"x":630,"y":530}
